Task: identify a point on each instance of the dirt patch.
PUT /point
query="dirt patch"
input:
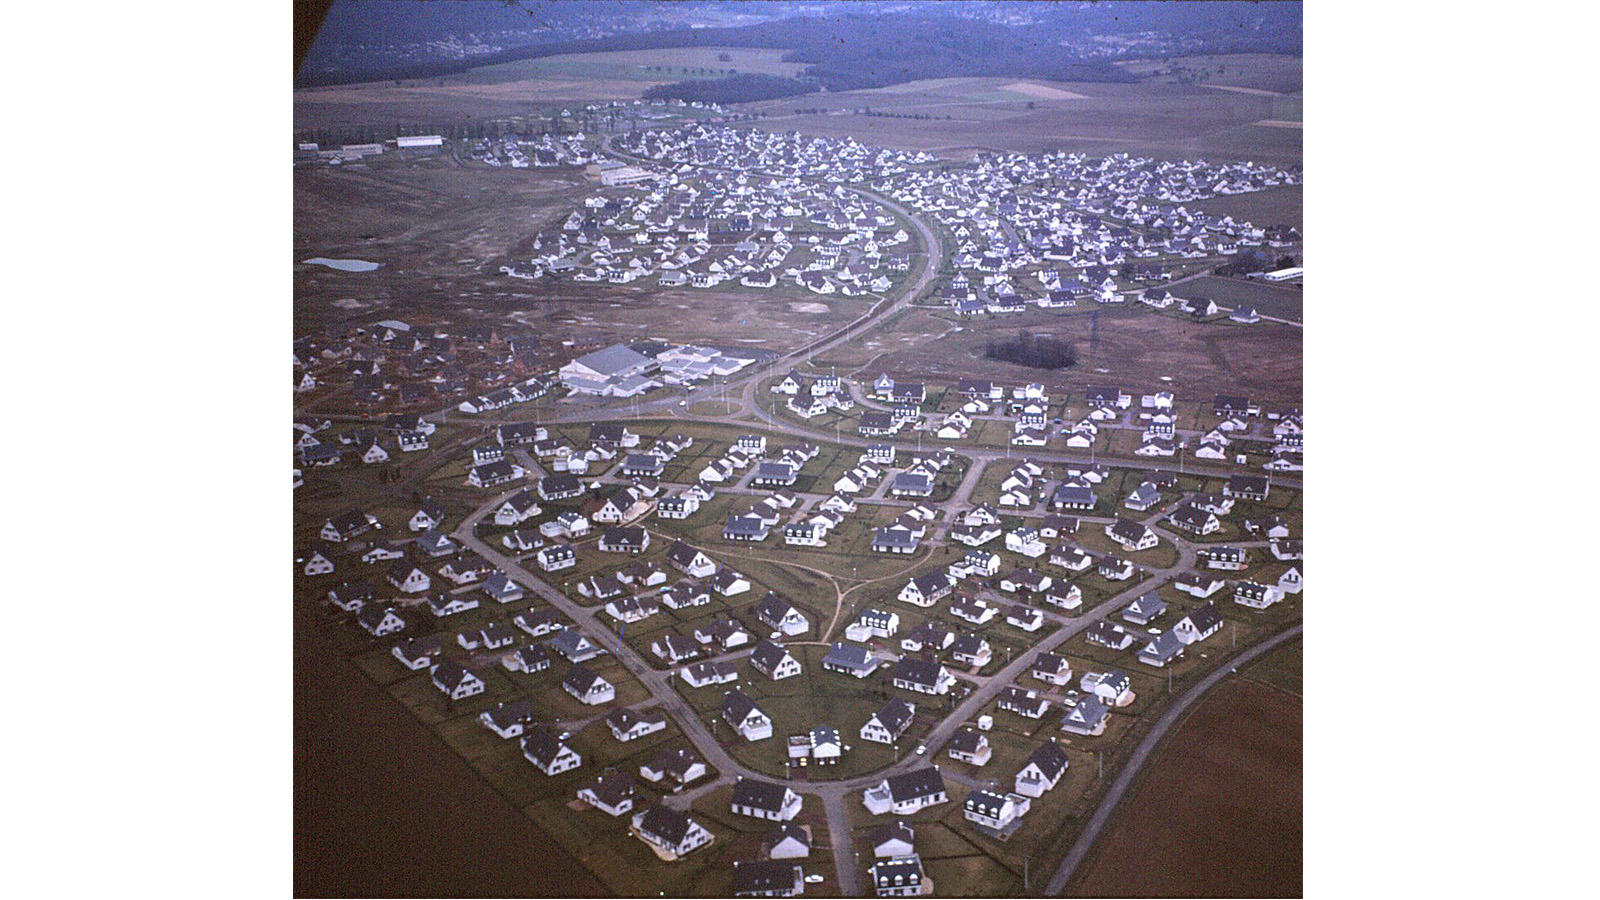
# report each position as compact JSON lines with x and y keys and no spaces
{"x":813,"y":308}
{"x":1275,"y":123}
{"x":1043,"y":92}
{"x":1217,"y":811}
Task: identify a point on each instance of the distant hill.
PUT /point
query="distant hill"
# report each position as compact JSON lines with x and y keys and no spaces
{"x":848,"y":47}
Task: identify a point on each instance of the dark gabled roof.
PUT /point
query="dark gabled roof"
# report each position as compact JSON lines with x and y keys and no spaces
{"x":893,"y":538}
{"x":767,"y":655}
{"x":737,"y":706}
{"x":893,"y":831}
{"x":667,"y":824}
{"x":772,"y":607}
{"x":681,"y":553}
{"x":580,"y":679}
{"x":1046,"y":661}
{"x":610,"y":787}
{"x":897,"y":871}
{"x":451,"y":673}
{"x":915,"y":671}
{"x":1050,"y":758}
{"x":764,"y":876}
{"x":561,"y":482}
{"x":1205,"y":616}
{"x":744,"y":525}
{"x":968,"y":645}
{"x":849,"y":656}
{"x":966,"y":741}
{"x":675,"y":762}
{"x":1071,"y":493}
{"x":511,"y":712}
{"x":1255,"y":484}
{"x":895,"y":714}
{"x":540,"y":742}
{"x":912,"y":785}
{"x":373,"y":616}
{"x":785,"y":831}
{"x":629,"y":535}
{"x":759,"y":794}
{"x":351,"y":590}
{"x":1128,"y":529}
{"x":985,"y":801}
{"x":1190,"y":515}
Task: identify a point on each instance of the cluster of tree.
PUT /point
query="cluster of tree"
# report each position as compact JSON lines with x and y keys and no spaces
{"x":1033,"y":351}
{"x":744,"y":88}
{"x":853,"y":52}
{"x":690,"y":70}
{"x":843,"y":52}
{"x":884,"y":115}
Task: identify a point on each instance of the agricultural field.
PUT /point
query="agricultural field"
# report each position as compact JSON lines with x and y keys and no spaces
{"x":1275,"y":206}
{"x":1217,"y":811}
{"x":1005,"y":115}
{"x":363,"y":765}
{"x":1273,"y":73}
{"x":653,"y":66}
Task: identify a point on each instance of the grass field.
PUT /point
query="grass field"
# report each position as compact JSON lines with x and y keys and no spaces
{"x":1274,"y":206}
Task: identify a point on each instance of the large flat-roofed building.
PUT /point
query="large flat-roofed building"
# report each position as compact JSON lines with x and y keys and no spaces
{"x":616,"y":371}
{"x":612,"y":173}
{"x":1291,"y":274}
{"x":350,"y":151}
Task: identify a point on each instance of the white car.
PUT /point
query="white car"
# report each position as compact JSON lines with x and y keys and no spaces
{"x":813,"y":878}
{"x":922,"y":749}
